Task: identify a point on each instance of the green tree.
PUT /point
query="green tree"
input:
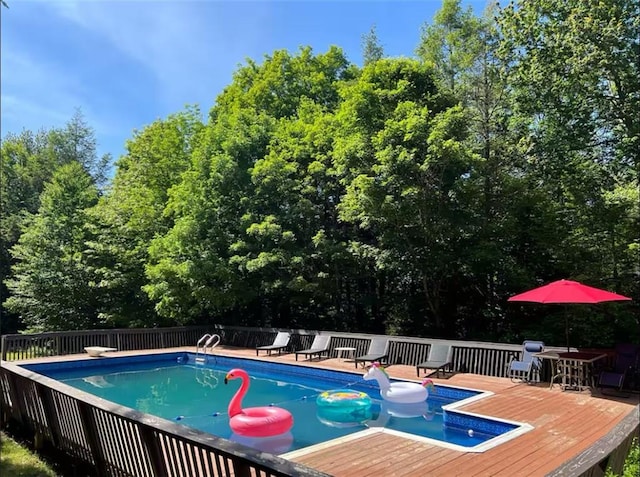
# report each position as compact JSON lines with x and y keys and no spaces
{"x":49,"y":288}
{"x":27,"y":164}
{"x":372,"y":49}
{"x":294,"y":242}
{"x":188,"y":269}
{"x":28,"y":161}
{"x":462,"y":49}
{"x":404,"y":161}
{"x":133,"y":212}
{"x":574,"y":74}
{"x":25,"y":167}
{"x":219,"y":257}
{"x":77,"y":142}
{"x":451,"y":44}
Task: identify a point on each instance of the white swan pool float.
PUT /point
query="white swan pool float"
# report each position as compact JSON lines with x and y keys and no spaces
{"x":402,"y":392}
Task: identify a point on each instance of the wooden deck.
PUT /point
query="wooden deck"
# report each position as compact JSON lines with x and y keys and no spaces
{"x":565,"y":424}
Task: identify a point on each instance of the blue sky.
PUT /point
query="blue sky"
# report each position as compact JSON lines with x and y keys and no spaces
{"x":127,"y":63}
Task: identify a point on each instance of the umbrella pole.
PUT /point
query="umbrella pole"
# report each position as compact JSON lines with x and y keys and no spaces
{"x":566,"y":328}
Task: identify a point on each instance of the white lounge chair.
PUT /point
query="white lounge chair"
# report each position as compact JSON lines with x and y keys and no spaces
{"x":279,"y":344}
{"x":319,"y":347}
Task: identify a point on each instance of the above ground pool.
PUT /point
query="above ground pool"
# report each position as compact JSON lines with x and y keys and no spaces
{"x":323,"y":404}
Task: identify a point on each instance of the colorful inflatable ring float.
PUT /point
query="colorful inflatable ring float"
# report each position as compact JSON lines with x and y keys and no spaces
{"x":343,"y":407}
{"x":337,"y":417}
{"x":346,"y":399}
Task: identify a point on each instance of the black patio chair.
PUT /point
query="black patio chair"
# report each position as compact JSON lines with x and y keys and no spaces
{"x":626,"y":359}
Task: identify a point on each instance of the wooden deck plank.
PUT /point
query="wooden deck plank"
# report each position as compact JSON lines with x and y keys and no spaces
{"x":369,"y":457}
{"x":565,"y":423}
{"x":415,"y":460}
{"x":411,"y":466}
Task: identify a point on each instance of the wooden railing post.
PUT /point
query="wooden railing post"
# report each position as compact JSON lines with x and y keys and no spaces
{"x":16,"y":404}
{"x":91,"y":434}
{"x":50,"y":414}
{"x":241,"y":469}
{"x":154,"y":452}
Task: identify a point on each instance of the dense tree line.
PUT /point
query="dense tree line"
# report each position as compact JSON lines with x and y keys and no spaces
{"x":407,"y":196}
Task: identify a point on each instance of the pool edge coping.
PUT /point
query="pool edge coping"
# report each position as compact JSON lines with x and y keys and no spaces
{"x":522,"y":427}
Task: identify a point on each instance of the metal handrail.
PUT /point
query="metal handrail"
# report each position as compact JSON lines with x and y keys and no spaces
{"x":207,"y":341}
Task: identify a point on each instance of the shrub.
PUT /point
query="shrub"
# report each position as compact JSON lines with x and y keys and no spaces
{"x":631,"y":466}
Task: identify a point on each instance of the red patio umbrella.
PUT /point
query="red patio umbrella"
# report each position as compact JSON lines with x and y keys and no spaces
{"x":567,"y":291}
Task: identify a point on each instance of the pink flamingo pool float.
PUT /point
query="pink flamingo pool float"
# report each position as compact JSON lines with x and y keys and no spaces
{"x":263,"y":421}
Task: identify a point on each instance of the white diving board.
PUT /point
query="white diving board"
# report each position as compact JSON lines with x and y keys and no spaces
{"x":96,"y":351}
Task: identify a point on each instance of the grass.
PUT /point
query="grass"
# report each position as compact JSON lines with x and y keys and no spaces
{"x":631,"y":464}
{"x":17,"y":461}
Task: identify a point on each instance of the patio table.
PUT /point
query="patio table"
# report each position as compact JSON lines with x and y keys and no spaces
{"x":574,"y":367}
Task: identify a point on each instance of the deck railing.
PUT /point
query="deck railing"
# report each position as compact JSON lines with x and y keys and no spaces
{"x":489,"y":359}
{"x":27,"y":346}
{"x":120,"y":441}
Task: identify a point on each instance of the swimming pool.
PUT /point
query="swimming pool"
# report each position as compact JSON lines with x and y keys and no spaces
{"x":173,"y":386}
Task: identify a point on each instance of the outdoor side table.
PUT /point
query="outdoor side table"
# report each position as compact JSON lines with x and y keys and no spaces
{"x":345,"y":349}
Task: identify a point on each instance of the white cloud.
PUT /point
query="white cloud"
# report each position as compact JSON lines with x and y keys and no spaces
{"x":20,"y":69}
{"x":37,"y":93}
{"x":36,"y":90}
{"x":125,"y":63}
{"x":183,"y":43}
{"x":14,"y":109}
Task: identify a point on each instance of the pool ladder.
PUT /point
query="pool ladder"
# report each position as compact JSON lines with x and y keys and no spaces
{"x":207,"y":342}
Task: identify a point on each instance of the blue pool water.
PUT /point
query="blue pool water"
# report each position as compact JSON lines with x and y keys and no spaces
{"x":173,"y":386}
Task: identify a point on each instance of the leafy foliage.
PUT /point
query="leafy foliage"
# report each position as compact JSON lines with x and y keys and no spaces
{"x":49,"y":284}
{"x":133,"y":213}
{"x":27,"y":162}
{"x":408,"y":196}
{"x":573,"y":71}
{"x":631,"y":466}
{"x":372,"y":50}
